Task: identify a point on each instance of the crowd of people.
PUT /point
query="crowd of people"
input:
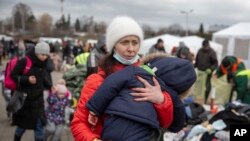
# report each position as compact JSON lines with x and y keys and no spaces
{"x":143,"y":95}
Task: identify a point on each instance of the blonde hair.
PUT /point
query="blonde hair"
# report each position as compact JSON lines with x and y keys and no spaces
{"x":61,"y":81}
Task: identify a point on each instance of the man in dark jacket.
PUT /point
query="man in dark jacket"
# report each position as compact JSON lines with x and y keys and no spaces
{"x":206,"y":61}
{"x":32,"y":114}
{"x":96,"y":54}
{"x":175,"y":76}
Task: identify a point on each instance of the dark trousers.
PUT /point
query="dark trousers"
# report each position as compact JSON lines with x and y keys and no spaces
{"x":208,"y":87}
{"x":39,"y":132}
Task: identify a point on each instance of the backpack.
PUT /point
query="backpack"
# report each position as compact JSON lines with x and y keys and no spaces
{"x":9,"y":83}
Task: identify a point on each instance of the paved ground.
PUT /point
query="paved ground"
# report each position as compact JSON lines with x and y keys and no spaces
{"x":7,"y":131}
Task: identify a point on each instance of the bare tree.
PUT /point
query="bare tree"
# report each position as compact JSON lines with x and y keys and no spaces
{"x":45,"y":24}
{"x":22,"y":13}
{"x":7,"y":25}
{"x":175,"y":29}
{"x":87,"y":24}
{"x":77,"y":25}
{"x":100,"y":27}
{"x":148,"y":31}
{"x":162,"y":30}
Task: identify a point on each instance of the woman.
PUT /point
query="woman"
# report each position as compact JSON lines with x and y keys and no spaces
{"x":32,"y":114}
{"x":123,"y":39}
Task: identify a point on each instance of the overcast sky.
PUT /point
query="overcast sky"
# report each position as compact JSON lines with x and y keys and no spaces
{"x":157,"y":13}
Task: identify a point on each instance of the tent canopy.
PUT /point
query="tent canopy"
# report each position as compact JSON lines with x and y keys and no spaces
{"x":193,"y":42}
{"x":240,"y":29}
{"x":50,"y":39}
{"x":5,"y":37}
{"x":236,"y":41}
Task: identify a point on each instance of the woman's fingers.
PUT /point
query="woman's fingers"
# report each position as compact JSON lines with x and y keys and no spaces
{"x":142,"y":90}
{"x":92,"y":119}
{"x":146,"y":84}
{"x":141,"y":99}
{"x":156,"y":82}
{"x":139,"y":94}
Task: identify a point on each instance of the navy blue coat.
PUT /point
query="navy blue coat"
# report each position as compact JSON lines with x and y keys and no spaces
{"x":113,"y":98}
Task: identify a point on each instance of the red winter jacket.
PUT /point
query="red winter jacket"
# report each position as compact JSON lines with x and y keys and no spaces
{"x":82,"y":130}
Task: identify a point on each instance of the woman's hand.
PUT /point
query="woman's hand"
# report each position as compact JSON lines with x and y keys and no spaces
{"x":92,"y":118}
{"x":149,"y":93}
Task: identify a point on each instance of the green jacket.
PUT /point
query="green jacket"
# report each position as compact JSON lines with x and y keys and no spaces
{"x":242,"y":85}
{"x":236,"y":66}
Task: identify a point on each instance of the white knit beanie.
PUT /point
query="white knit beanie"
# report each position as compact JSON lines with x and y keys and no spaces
{"x":42,"y":48}
{"x":120,"y":27}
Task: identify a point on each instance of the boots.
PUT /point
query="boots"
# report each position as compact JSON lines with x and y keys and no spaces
{"x":17,"y":138}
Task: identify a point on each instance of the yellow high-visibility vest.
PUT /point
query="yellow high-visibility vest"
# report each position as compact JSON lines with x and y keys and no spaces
{"x":82,"y":58}
{"x":244,"y":72}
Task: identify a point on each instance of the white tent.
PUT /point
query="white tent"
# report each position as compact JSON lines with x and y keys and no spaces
{"x":235,"y":41}
{"x":50,"y":39}
{"x":5,"y":37}
{"x":170,"y":41}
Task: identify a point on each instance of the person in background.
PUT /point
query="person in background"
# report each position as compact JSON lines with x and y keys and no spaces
{"x":96,"y":54}
{"x":174,"y":51}
{"x":78,"y":49}
{"x":158,"y":47}
{"x":241,"y":81}
{"x":206,"y":61}
{"x":229,"y":66}
{"x":55,"y":112}
{"x":32,"y":114}
{"x":1,"y":53}
{"x":175,"y":75}
{"x":81,"y":59}
{"x":184,"y":52}
{"x":124,"y":37}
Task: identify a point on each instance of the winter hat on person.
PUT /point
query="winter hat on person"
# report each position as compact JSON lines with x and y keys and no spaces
{"x":177,"y":73}
{"x":205,"y":43}
{"x":121,"y":27}
{"x":42,"y":48}
{"x":101,"y":41}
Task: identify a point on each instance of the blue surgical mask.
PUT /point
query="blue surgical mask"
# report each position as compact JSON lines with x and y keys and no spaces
{"x":119,"y":58}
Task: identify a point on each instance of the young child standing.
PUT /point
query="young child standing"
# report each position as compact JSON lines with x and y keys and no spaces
{"x":55,"y":112}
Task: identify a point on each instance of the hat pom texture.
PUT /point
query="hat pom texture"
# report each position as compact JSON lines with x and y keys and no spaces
{"x":121,"y":27}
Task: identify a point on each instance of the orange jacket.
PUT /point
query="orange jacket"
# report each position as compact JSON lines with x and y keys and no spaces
{"x":81,"y":129}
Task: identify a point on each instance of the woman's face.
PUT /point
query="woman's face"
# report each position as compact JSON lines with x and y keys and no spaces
{"x":128,"y":47}
{"x":42,"y":57}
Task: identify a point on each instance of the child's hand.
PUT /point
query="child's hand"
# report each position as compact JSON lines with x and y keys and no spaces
{"x":53,"y":89}
{"x":92,"y":118}
{"x":32,"y":79}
